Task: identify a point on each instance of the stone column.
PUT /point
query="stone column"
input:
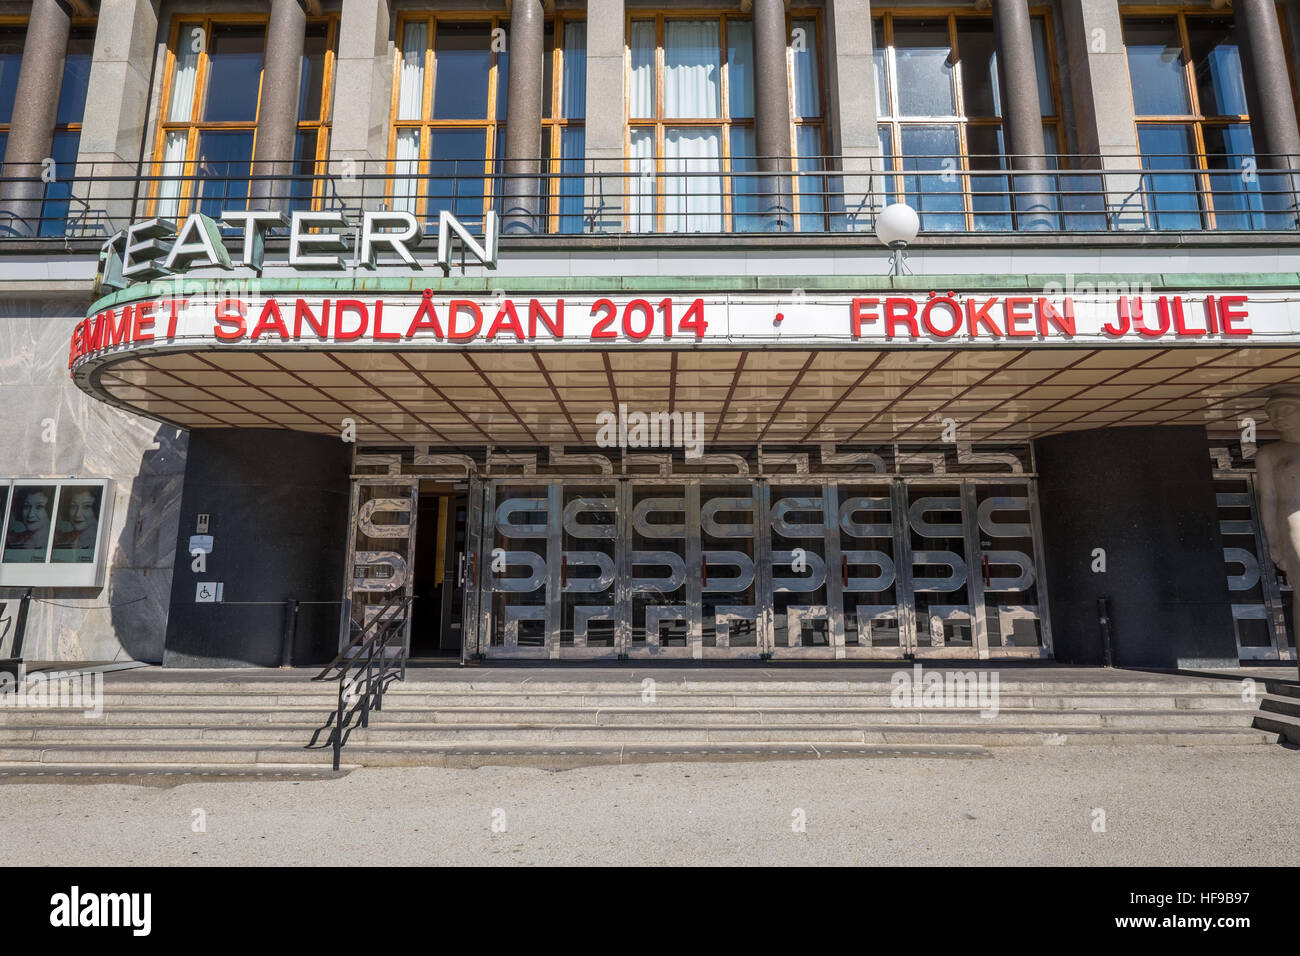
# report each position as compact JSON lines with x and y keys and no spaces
{"x":117,"y":107}
{"x":1103,"y":113}
{"x":277,"y":117}
{"x":36,"y":103}
{"x":851,"y":94}
{"x":1268,"y":97}
{"x":363,"y":89}
{"x":606,"y":117}
{"x":772,"y":112}
{"x":523,"y":187}
{"x":1022,"y":122}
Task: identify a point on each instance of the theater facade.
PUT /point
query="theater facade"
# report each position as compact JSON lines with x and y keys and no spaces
{"x":586,"y":331}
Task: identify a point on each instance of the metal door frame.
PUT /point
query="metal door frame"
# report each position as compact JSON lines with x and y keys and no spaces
{"x":1279,"y":648}
{"x":481,"y":530}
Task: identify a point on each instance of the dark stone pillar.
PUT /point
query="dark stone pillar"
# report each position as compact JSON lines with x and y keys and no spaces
{"x":1145,"y":496}
{"x":772,"y":112}
{"x":277,"y":118}
{"x":1268,"y":98}
{"x":278,"y":504}
{"x":523,"y":204}
{"x":1022,"y":122}
{"x":36,"y":104}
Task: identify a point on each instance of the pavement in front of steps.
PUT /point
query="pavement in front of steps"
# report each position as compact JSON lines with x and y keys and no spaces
{"x":1150,"y":805}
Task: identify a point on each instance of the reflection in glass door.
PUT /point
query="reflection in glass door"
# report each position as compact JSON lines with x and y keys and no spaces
{"x":523,"y":518}
{"x":800,"y":530}
{"x":729,"y":524}
{"x":664,"y":571}
{"x":733,"y":568}
{"x":876,"y":623}
{"x":945,"y":624}
{"x":1013,"y":618}
{"x":588,"y":571}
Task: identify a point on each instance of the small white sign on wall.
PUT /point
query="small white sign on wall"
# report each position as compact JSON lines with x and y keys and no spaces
{"x":207,"y":592}
{"x":201,"y":542}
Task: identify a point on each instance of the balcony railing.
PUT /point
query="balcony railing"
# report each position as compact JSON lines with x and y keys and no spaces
{"x":675,"y":196}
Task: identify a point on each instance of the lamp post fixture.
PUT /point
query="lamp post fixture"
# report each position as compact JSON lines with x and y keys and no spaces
{"x":896,"y":226}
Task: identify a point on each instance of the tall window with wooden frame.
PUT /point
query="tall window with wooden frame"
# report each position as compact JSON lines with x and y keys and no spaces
{"x":1193,"y":127}
{"x":13,"y":32}
{"x":940,"y":115}
{"x":450,"y":109}
{"x":690,"y":129}
{"x":210,"y":101}
{"x":56,"y":209}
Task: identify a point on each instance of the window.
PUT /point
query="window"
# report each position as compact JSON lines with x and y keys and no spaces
{"x":448,"y":138}
{"x":691,"y":124}
{"x":940,"y":113}
{"x":11,"y":58}
{"x":204,"y":148}
{"x":67,"y":130}
{"x":1193,"y":130}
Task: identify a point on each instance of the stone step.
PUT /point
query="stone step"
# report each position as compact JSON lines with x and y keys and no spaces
{"x":1008,"y":697}
{"x":166,"y":774}
{"x":726,"y":728}
{"x":1285,"y":725}
{"x":165,"y":725}
{"x":1280,"y":704}
{"x":423,"y":753}
{"x":632,"y":682}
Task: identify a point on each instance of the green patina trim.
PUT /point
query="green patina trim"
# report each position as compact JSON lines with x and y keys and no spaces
{"x":651,"y":285}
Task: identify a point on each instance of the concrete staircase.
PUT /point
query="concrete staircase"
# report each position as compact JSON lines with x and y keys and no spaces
{"x":248,"y":724}
{"x":1279,"y":711}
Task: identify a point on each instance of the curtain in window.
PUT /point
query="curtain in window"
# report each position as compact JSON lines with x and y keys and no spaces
{"x":406,"y":170}
{"x":410,"y":96}
{"x":807,"y":95}
{"x":180,"y":110}
{"x":641,"y":181}
{"x":573,"y":94}
{"x":693,"y":203}
{"x":692,"y":70}
{"x":173,"y":165}
{"x":641,"y":101}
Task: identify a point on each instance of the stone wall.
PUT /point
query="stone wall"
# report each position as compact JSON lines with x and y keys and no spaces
{"x":50,"y":429}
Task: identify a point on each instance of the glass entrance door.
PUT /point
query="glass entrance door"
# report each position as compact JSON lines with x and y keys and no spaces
{"x":792,"y":568}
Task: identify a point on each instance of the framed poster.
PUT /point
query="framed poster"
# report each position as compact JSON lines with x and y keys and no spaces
{"x":27,"y":533}
{"x":54,"y":531}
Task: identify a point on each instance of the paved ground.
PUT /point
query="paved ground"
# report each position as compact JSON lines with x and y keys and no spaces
{"x":1195,"y":806}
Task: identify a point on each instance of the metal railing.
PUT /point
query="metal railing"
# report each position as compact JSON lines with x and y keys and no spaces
{"x":368,"y":656}
{"x":673,"y":196}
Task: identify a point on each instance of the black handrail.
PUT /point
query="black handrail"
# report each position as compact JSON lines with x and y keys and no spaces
{"x":365,"y":655}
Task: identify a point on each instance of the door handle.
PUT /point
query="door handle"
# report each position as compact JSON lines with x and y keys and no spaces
{"x":473,"y":570}
{"x":986,"y":570}
{"x":564,"y":571}
{"x":844,"y":568}
{"x":460,"y":568}
{"x":704,"y":571}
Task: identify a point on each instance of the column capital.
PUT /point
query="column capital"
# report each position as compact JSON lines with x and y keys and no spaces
{"x":747,"y":6}
{"x":548,"y":6}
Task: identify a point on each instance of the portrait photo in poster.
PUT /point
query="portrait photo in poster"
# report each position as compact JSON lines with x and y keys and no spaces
{"x":76,"y":529}
{"x":30,"y":524}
